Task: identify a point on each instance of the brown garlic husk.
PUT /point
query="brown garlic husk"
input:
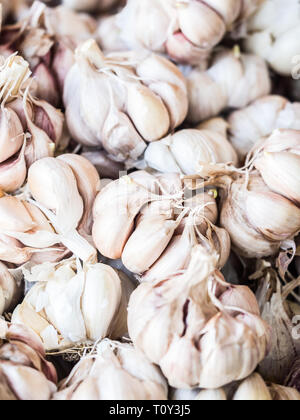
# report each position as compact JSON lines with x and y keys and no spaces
{"x":186,"y":150}
{"x":25,"y":373}
{"x":293,"y":378}
{"x":216,"y":318}
{"x":30,"y":128}
{"x":280,"y":313}
{"x":65,"y":193}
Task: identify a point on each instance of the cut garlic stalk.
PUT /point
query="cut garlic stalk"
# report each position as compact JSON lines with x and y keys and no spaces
{"x":249,"y":125}
{"x":185,"y":151}
{"x":187,"y":30}
{"x":226,"y":84}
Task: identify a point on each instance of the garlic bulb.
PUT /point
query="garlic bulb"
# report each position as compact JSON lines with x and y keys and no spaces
{"x":30,"y":128}
{"x":24,"y":231}
{"x":285,"y":347}
{"x":260,"y":119}
{"x":233,"y":80}
{"x":43,"y":33}
{"x":155,"y":214}
{"x":273,"y":34}
{"x":64,"y":189}
{"x":141,"y":97}
{"x":252,"y":388}
{"x":116,"y":371}
{"x":70,"y":305}
{"x":187,"y":150}
{"x":10,"y":288}
{"x":186,"y":30}
{"x":278,"y":161}
{"x":25,"y":374}
{"x":213,"y":328}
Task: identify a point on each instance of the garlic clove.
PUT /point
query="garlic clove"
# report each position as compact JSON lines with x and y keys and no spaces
{"x":101,"y":283}
{"x":201,"y":24}
{"x":12,"y":136}
{"x":115,"y":209}
{"x":88,"y":183}
{"x":253,"y":389}
{"x":279,"y":171}
{"x":155,"y":232}
{"x":285,"y":222}
{"x":211,"y":395}
{"x":13,"y":172}
{"x":10,"y":290}
{"x":14,"y":215}
{"x":47,"y":88}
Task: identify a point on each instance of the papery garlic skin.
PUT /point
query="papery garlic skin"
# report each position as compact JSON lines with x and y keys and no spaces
{"x":116,"y":371}
{"x":117,"y":104}
{"x":25,"y":374}
{"x":24,"y":231}
{"x":70,"y":306}
{"x":233,"y":80}
{"x":187,"y":150}
{"x":187,"y":31}
{"x":273,"y":32}
{"x":249,"y":125}
{"x":253,"y":389}
{"x":157,"y":327}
